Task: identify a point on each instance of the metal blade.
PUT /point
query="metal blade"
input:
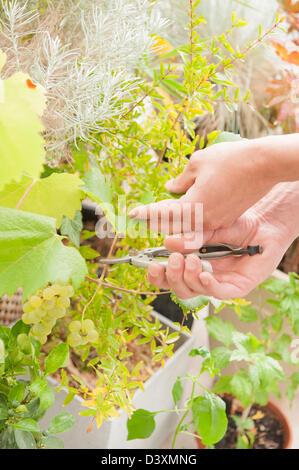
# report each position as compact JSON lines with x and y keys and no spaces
{"x":111,"y":261}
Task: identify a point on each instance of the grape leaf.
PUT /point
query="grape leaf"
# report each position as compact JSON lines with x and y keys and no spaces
{"x":32,"y":254}
{"x":21,"y":142}
{"x":55,"y":196}
{"x":96,"y":187}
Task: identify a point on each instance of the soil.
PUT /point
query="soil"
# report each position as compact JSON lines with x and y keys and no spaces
{"x":268,"y":430}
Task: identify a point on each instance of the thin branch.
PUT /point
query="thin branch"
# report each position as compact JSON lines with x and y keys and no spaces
{"x":122,"y":289}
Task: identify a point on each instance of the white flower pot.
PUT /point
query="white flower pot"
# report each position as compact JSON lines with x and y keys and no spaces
{"x":157,"y":396}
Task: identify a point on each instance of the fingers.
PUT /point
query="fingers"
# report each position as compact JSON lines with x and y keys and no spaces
{"x":186,"y":179}
{"x":157,"y":276}
{"x":220,"y":290}
{"x":189,"y":242}
{"x":187,"y":279}
{"x":175,"y":277}
{"x":171,"y":216}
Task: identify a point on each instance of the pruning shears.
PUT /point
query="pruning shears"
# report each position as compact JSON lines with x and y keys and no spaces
{"x":143,"y":259}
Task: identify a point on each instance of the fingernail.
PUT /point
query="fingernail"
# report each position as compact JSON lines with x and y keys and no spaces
{"x":204,"y":280}
{"x":191,"y":263}
{"x":153,"y":272}
{"x":169,"y":185}
{"x":133,"y":213}
{"x":175,"y":261}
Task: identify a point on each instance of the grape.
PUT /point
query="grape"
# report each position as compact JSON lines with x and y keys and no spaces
{"x":74,"y":339}
{"x":33,"y":318}
{"x":49,"y":304}
{"x":75,"y":326}
{"x":63,"y":302}
{"x":40,"y":313}
{"x":92,"y":336}
{"x":49,"y":293}
{"x":25,"y":319}
{"x":59,"y":312}
{"x":27,"y":307}
{"x":39,"y":330}
{"x":35,"y":301}
{"x":88,"y":325}
{"x":66,"y":291}
{"x":43,"y":339}
{"x":48,"y":322}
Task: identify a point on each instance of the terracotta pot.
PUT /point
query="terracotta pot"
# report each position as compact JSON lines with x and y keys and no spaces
{"x":274,"y":410}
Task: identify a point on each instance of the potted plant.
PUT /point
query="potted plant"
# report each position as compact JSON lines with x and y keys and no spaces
{"x":237,"y":413}
{"x":249,"y":368}
{"x":77,"y":119}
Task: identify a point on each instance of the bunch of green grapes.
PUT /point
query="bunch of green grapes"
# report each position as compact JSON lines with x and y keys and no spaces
{"x":82,"y":333}
{"x":44,"y":308}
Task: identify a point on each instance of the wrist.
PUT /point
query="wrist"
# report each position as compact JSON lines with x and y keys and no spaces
{"x":280,"y":207}
{"x":276,"y":157}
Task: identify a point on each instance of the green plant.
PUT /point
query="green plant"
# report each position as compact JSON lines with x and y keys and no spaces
{"x":25,"y":395}
{"x":260,"y":363}
{"x":127,"y":153}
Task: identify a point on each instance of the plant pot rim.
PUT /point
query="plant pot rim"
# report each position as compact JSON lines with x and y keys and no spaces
{"x":277,"y":412}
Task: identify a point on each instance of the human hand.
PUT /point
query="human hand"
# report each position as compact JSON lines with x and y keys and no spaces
{"x":226,"y":178}
{"x":232,"y":277}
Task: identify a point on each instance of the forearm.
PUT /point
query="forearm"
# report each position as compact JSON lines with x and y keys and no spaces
{"x":276,"y":158}
{"x":281,"y":207}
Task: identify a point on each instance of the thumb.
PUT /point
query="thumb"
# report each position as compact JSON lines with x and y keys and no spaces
{"x":183,"y":182}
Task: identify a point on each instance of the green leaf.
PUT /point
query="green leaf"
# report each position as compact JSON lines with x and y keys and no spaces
{"x":61,"y":423}
{"x":209,"y":418}
{"x":141,"y":425}
{"x":3,"y":412}
{"x":52,"y":442}
{"x":223,"y":384}
{"x":96,"y":187}
{"x":56,"y":358}
{"x":17,"y":393}
{"x":21,"y":142}
{"x":24,"y":439}
{"x":32,"y":407}
{"x":27,"y":424}
{"x":19,"y":328}
{"x":201,"y":351}
{"x":177,"y":391}
{"x":88,"y":253}
{"x":275,"y":286}
{"x":227,"y":137}
{"x":47,"y":398}
{"x":196,"y":303}
{"x":276,"y":321}
{"x":220,"y":330}
{"x":221,"y":357}
{"x":56,"y":196}
{"x":241,"y":388}
{"x":72,"y":228}
{"x":32,"y":254}
{"x":248,"y":313}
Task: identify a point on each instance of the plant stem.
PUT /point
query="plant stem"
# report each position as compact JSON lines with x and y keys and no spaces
{"x":26,"y":194}
{"x":182,"y":419}
{"x":122,"y":289}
